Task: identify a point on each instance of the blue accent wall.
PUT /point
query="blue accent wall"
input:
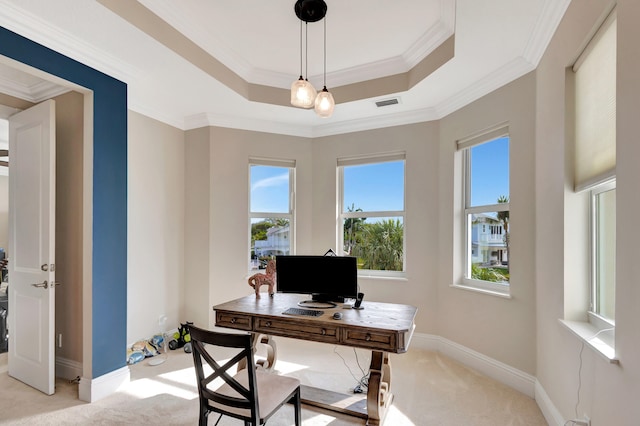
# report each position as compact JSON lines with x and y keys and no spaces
{"x":109,"y":298}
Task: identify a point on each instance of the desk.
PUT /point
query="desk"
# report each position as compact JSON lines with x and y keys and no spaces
{"x":382,"y":328}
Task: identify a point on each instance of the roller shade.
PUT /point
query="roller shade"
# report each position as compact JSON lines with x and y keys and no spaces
{"x":595,"y":109}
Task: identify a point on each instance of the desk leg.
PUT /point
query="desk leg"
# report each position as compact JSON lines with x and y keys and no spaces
{"x":379,"y":394}
{"x":269,"y":363}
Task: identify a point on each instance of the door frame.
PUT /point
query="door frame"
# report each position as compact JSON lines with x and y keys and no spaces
{"x":105,"y":215}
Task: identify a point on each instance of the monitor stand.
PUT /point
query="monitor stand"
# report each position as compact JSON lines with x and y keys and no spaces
{"x":316,"y":304}
{"x":322,"y":301}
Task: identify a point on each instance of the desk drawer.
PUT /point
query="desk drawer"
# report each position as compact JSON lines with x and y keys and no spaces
{"x":370,"y":339}
{"x":241,"y":322}
{"x":315,"y":331}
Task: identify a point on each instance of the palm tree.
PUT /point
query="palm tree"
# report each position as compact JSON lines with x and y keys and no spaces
{"x":382,"y":245}
{"x":352,"y":229}
{"x":503,"y":217}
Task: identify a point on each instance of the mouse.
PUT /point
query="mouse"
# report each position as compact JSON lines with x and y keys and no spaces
{"x":337,"y":315}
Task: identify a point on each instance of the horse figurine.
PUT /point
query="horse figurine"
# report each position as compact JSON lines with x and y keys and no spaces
{"x":269,"y":278}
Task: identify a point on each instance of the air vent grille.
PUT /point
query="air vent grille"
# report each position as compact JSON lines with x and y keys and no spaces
{"x":387,"y":102}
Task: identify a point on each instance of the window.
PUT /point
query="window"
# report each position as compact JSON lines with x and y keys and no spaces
{"x":603,"y":243}
{"x":590,"y":299}
{"x":595,"y":163}
{"x":372,"y":217}
{"x":271,"y":210}
{"x":486,"y":211}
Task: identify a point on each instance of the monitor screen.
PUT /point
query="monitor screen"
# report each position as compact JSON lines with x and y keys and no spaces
{"x":326,"y":278}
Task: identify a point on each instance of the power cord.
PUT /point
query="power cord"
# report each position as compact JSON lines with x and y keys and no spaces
{"x":576,"y":421}
{"x":363,"y":381}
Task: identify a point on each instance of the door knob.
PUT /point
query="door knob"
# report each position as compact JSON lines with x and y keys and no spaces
{"x":44,"y":284}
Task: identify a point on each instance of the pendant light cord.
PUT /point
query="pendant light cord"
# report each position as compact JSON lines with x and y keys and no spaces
{"x":324,"y":81}
{"x":306,"y":50}
{"x":300,"y":48}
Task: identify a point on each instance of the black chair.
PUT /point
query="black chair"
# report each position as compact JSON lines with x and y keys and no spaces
{"x":249,"y":394}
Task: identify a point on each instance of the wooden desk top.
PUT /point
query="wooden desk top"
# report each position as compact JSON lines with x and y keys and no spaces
{"x":384,"y":327}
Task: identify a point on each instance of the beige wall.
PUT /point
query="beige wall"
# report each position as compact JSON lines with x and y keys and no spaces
{"x":156,"y":221}
{"x":229,"y":224}
{"x":69,"y":201}
{"x":420,"y":144}
{"x":503,"y":329}
{"x":217,"y":202}
{"x":197,"y":281}
{"x":522,"y":332}
{"x":608,"y":393}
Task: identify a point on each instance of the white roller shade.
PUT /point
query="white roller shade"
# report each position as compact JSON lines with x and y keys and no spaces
{"x":374,"y":158}
{"x":595,"y":108}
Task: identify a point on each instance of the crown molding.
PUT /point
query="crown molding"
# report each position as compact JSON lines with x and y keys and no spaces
{"x":434,"y":36}
{"x":545,"y":28}
{"x":42,"y":32}
{"x":172,"y":13}
{"x":376,"y":122}
{"x":421,"y":48}
{"x":34,"y":93}
{"x":244,"y":123}
{"x":145,"y":109}
{"x":492,"y":81}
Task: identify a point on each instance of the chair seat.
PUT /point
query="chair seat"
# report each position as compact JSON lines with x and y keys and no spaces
{"x":272,"y":391}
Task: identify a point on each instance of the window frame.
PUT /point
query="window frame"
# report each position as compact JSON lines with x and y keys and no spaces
{"x":290,"y":215}
{"x":593,"y":329}
{"x":595,"y":317}
{"x":464,"y":147}
{"x":343,"y":215}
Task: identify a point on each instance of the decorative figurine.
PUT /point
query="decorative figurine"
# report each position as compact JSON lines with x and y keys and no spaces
{"x":269,"y":278}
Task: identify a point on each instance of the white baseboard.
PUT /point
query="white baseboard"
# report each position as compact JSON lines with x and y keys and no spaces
{"x":549,"y":411}
{"x":505,"y":374}
{"x":68,"y":369}
{"x":92,"y":390}
{"x":490,"y":367}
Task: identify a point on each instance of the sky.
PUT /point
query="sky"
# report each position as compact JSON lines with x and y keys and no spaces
{"x":372,"y":187}
{"x":489,"y":172}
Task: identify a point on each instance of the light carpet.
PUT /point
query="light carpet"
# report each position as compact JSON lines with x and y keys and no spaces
{"x":429,"y":389}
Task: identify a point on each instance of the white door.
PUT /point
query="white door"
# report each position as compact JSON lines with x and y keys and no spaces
{"x":31,"y":319}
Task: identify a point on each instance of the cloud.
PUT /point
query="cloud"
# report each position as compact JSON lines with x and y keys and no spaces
{"x":271,"y":181}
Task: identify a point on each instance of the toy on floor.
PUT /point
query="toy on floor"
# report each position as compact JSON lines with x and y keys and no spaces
{"x":144,"y":349}
{"x":182,"y":338}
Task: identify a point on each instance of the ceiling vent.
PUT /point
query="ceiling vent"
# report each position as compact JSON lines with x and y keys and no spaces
{"x":387,"y":102}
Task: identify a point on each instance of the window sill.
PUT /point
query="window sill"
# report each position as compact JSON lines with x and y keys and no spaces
{"x":395,"y":277}
{"x":495,"y":293}
{"x":399,"y":278}
{"x":588,"y":334}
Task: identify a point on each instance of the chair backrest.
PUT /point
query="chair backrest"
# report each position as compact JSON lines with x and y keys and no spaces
{"x":245,"y":397}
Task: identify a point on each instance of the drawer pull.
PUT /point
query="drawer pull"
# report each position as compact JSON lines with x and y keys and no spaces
{"x":368,"y":338}
{"x":268,"y":324}
{"x":233,"y":320}
{"x":323,"y":331}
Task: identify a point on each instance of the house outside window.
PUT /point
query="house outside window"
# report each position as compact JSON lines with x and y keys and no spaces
{"x":486,"y":211}
{"x":271,"y":210}
{"x":372,"y":213}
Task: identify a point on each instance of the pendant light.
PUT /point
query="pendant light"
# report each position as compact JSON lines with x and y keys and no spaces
{"x":324,"y":103}
{"x":303,"y":93}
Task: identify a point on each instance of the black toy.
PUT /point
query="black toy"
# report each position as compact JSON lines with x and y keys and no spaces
{"x":181,"y":337}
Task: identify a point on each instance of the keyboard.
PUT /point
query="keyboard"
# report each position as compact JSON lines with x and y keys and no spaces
{"x":303,"y":312}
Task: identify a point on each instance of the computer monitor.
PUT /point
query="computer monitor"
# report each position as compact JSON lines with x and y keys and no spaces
{"x":328,"y":279}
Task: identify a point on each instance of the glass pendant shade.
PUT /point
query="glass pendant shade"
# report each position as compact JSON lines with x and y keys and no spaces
{"x":324,"y":103}
{"x":302,"y":93}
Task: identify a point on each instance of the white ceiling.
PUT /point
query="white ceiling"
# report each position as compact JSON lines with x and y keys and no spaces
{"x":496,"y":41}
